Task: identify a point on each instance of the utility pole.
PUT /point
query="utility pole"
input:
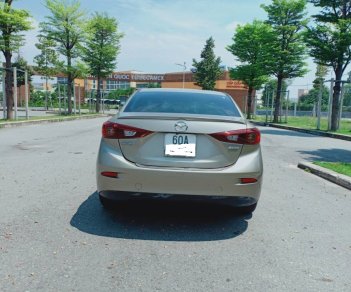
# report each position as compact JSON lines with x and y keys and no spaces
{"x":287,"y":106}
{"x":266,"y":92}
{"x":319,"y":105}
{"x":79,"y":99}
{"x":184,"y":68}
{"x":26,"y":93}
{"x":15,"y":90}
{"x":59,"y":95}
{"x":330,"y":103}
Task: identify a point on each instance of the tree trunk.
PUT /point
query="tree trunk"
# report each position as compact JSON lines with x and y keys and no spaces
{"x":8,"y":85}
{"x":278,"y":99}
{"x":249,"y":102}
{"x":98,"y":94}
{"x":336,"y":97}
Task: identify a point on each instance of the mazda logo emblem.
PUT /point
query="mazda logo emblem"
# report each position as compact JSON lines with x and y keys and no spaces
{"x":180,"y":127}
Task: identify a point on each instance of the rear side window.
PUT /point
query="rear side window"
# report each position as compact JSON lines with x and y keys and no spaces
{"x":183,"y":102}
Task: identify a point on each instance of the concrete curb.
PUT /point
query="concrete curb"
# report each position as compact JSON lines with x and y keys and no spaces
{"x":54,"y":120}
{"x":337,"y":178}
{"x":307,"y":131}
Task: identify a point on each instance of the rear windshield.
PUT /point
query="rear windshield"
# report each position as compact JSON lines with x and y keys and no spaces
{"x":183,"y":102}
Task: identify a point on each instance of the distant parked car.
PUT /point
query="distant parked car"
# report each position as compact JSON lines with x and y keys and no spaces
{"x":173,"y":142}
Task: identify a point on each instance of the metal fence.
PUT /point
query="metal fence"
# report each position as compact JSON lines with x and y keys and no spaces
{"x":290,"y":108}
{"x":81,"y":101}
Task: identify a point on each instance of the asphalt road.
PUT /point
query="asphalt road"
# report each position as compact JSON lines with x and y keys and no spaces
{"x":55,"y":236}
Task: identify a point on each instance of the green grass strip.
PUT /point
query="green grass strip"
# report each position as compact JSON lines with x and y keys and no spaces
{"x":310,"y":123}
{"x":339,"y":167}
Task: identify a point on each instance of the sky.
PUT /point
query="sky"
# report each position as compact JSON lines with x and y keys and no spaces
{"x":158,"y":34}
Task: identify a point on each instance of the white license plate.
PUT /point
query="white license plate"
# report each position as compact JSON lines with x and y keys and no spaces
{"x":181,"y":145}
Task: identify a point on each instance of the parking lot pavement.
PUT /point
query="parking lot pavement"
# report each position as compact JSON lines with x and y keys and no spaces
{"x":55,"y":236}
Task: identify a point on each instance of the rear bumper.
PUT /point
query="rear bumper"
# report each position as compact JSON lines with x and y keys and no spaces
{"x":124,"y":196}
{"x":134,"y":180}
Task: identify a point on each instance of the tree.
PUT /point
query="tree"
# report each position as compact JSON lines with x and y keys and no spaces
{"x":251,"y":45}
{"x":287,"y":18}
{"x":321,"y":72}
{"x":329,"y":42}
{"x":12,"y":23}
{"x":47,"y":61}
{"x":65,"y":27}
{"x":269,"y":89}
{"x":21,"y":64}
{"x":207,"y":70}
{"x":312,"y":96}
{"x":102,"y":47}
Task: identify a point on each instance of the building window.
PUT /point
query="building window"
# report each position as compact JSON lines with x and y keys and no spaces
{"x":94,"y":84}
{"x":62,"y":80}
{"x":149,"y":85}
{"x":114,"y":85}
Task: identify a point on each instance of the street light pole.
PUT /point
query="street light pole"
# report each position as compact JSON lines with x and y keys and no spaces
{"x":184,"y":68}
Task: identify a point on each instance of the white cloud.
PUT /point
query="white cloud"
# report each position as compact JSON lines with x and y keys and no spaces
{"x":231,"y":27}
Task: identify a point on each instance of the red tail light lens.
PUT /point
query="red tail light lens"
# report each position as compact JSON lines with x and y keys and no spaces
{"x":112,"y":130}
{"x":248,"y":180}
{"x":251,"y":136}
{"x":110,"y":174}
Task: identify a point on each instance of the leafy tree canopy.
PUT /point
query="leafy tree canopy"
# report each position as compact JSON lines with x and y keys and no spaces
{"x":64,"y":26}
{"x":207,"y":69}
{"x":329,"y":42}
{"x":48,"y":60}
{"x":102,"y":44}
{"x":251,"y":44}
{"x":102,"y":47}
{"x":312,"y":96}
{"x":288,"y":51}
{"x":287,"y":58}
{"x":12,"y":23}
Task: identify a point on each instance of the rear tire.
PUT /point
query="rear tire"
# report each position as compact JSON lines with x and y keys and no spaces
{"x":108,"y":204}
{"x":246,"y":209}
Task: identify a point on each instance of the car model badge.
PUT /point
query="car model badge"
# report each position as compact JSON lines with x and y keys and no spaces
{"x":180,"y":126}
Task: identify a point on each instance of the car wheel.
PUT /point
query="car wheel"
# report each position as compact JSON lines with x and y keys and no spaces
{"x":107,"y":203}
{"x":246,"y":209}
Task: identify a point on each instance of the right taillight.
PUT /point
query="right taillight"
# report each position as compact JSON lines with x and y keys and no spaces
{"x":112,"y":130}
{"x":251,"y":136}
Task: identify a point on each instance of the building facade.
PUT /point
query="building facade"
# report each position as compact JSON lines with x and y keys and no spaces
{"x":85,"y":88}
{"x":133,"y":79}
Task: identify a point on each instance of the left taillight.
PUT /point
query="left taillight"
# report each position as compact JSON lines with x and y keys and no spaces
{"x":111,"y":130}
{"x":250,"y":136}
{"x":111,"y":174}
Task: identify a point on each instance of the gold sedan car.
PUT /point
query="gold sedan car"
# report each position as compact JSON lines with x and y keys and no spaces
{"x":180,"y":143}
